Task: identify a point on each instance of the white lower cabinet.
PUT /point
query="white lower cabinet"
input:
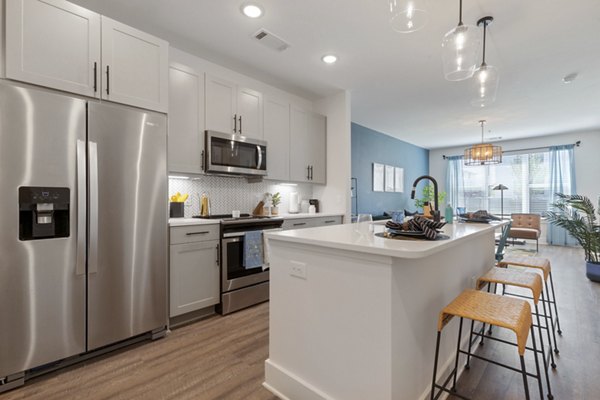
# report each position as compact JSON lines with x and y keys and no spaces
{"x":194,"y":276}
{"x":311,"y":222}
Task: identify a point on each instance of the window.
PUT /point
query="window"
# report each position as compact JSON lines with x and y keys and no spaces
{"x":527,"y":177}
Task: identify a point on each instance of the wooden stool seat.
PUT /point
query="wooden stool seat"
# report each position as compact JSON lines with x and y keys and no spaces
{"x":493,"y":309}
{"x":524,"y":279}
{"x":531,"y":262}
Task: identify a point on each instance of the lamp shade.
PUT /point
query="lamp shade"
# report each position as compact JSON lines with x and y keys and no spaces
{"x":483,"y":154}
{"x":460,"y":52}
{"x":484,"y":86}
{"x":500,"y":187}
{"x":408,"y":15}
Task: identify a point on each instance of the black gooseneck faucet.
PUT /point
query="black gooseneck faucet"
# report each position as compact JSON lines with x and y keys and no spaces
{"x":436,"y":212}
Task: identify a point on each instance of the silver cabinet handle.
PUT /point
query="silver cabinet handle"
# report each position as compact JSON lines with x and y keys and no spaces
{"x":240,"y":125}
{"x":330,"y":222}
{"x":95,"y":77}
{"x":308,"y":172}
{"x":218,"y":255}
{"x":260,"y":160}
{"x":81,"y":208}
{"x":299,"y":224}
{"x":93,"y":204}
{"x":235,"y":123}
{"x":107,"y":80}
{"x":311,"y":172}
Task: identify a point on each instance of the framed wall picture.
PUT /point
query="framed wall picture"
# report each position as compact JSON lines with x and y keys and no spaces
{"x":389,"y":178}
{"x":378,"y":177}
{"x":399,"y":179}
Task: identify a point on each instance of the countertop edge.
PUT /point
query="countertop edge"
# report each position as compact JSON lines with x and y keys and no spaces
{"x":198,"y":221}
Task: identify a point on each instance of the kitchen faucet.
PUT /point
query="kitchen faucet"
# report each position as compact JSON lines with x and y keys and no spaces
{"x":436,"y":210}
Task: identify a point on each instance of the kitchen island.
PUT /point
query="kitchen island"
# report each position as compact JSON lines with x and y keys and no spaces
{"x":354,"y":315}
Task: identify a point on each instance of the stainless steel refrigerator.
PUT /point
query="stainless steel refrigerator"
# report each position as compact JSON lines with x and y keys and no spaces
{"x":83,"y":226}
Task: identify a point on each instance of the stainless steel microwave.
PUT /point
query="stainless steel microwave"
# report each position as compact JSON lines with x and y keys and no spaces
{"x":234,"y":154}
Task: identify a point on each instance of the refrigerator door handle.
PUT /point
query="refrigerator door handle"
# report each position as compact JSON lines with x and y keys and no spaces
{"x":81,"y":208}
{"x":93,"y":211}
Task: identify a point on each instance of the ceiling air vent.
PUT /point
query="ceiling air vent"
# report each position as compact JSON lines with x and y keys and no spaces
{"x":270,"y":40}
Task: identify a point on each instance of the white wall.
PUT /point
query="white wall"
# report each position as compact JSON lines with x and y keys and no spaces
{"x":587,"y":158}
{"x":335,"y":196}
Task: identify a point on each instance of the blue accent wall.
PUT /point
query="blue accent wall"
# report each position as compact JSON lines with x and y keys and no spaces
{"x":368,"y":147}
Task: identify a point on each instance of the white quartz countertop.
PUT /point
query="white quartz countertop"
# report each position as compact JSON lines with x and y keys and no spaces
{"x":358,"y":237}
{"x":192,"y":221}
{"x":200,"y":221}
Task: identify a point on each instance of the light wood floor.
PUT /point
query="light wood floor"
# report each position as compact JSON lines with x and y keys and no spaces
{"x":223,"y":357}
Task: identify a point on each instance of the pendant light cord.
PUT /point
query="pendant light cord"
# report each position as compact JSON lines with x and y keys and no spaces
{"x":460,"y":21}
{"x":484,"y":37}
{"x":482,"y":122}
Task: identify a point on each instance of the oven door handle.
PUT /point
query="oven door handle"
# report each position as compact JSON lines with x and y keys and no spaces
{"x":241,"y":234}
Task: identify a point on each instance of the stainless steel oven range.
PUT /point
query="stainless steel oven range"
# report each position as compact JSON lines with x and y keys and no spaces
{"x":241,"y":287}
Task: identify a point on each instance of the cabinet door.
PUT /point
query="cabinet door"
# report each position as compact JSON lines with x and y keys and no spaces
{"x":250,"y":109}
{"x":186,"y":119}
{"x":277,"y":135}
{"x":194,"y":277}
{"x":220,"y":105}
{"x":135,"y":67}
{"x":317,"y":147}
{"x":299,"y":150}
{"x":53,"y":43}
{"x":298,"y":223}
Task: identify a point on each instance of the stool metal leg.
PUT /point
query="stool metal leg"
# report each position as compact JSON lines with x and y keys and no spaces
{"x":554,"y":300}
{"x":457,"y":354}
{"x":551,"y":317}
{"x":548,"y":327}
{"x":537,"y":364}
{"x":435,"y":364}
{"x":524,"y":373}
{"x":467,"y":366}
{"x":550,"y":396}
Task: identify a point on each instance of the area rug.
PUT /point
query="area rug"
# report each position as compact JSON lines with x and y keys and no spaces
{"x":511,"y":251}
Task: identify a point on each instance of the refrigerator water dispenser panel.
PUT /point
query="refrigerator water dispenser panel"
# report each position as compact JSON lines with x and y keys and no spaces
{"x":43,"y":212}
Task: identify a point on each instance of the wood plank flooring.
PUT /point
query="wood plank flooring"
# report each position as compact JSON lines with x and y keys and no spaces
{"x":223,"y":357}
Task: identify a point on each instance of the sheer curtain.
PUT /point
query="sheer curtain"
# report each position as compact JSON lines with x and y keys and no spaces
{"x":562,"y":180}
{"x":455,"y":182}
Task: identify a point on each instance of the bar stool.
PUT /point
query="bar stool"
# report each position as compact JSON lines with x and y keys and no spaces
{"x":543,"y":265}
{"x":493,"y":309}
{"x":527,"y":280}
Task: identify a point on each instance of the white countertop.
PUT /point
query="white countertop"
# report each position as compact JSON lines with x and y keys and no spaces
{"x":307,"y":215}
{"x":200,"y":221}
{"x":192,"y":221}
{"x":347,"y":237}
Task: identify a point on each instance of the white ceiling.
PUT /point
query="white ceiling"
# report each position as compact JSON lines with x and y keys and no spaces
{"x":396,"y":79}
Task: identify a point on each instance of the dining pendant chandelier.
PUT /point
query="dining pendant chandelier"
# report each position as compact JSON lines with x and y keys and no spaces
{"x":459,"y":50}
{"x":483,"y":153}
{"x":485,"y":80}
{"x":408,"y":15}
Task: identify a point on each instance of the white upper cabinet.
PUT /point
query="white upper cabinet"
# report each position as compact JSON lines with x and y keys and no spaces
{"x":308,"y":138}
{"x":299,"y":146}
{"x":53,"y":43}
{"x":250,"y":113}
{"x":186,"y":119}
{"x":220,"y":105}
{"x":134,"y":66}
{"x":317,"y":138}
{"x":233,"y":109}
{"x":277,"y":135}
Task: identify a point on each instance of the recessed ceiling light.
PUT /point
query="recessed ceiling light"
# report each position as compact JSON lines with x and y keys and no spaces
{"x":252,"y":10}
{"x":570,"y":78}
{"x":329,"y":59}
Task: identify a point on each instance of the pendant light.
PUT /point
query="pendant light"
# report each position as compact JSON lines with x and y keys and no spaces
{"x":408,"y":15}
{"x":483,"y":153}
{"x":459,"y":50}
{"x":485,"y":79}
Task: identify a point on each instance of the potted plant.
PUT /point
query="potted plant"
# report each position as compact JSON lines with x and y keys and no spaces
{"x":427,"y":198}
{"x":577,"y":215}
{"x":276,"y":200}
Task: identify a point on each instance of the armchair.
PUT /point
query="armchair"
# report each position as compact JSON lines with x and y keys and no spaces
{"x":527,"y":227}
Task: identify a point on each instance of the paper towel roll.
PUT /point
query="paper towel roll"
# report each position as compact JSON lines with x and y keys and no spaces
{"x":294,"y":200}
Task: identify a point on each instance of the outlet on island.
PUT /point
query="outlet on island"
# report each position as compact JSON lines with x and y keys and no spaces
{"x":298,"y":269}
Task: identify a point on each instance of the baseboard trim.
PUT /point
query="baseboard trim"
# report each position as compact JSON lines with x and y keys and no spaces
{"x":278,"y":380}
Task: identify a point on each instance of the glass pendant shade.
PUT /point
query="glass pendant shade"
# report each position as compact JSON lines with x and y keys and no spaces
{"x":484,"y":86}
{"x":460,"y":52}
{"x":408,"y":15}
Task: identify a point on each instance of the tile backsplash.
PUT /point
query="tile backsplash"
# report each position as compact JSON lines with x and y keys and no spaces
{"x":232,"y":193}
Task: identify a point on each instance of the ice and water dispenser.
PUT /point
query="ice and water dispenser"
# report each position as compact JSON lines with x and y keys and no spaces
{"x":43,"y":212}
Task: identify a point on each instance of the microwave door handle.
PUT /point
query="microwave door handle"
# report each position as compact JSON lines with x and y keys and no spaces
{"x":260,"y":158}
